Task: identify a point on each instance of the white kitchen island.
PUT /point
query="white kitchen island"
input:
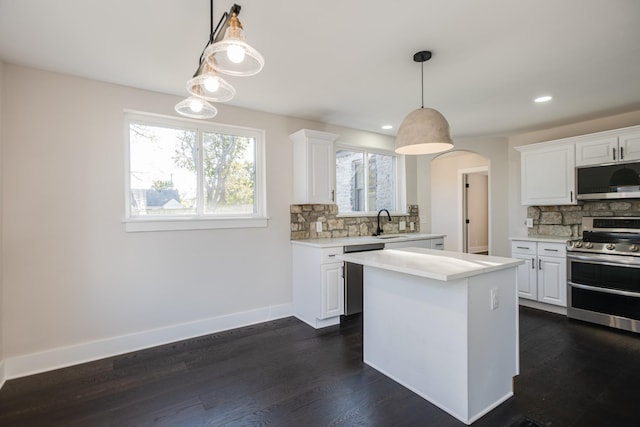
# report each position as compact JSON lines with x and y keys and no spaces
{"x":443,"y":324}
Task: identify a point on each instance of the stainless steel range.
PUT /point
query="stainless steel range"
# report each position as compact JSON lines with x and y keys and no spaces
{"x":603,"y":271}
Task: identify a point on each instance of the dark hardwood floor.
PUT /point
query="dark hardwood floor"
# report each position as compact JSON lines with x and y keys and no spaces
{"x":284,"y":373}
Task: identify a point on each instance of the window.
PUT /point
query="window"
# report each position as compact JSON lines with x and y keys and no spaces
{"x":366,"y":181}
{"x":184,"y":174}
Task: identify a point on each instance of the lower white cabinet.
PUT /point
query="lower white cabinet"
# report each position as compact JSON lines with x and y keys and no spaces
{"x":543,"y":276}
{"x":318,"y":285}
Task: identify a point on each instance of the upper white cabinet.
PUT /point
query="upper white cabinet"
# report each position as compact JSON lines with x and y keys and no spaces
{"x":608,"y":147}
{"x":313,"y":166}
{"x":548,"y":174}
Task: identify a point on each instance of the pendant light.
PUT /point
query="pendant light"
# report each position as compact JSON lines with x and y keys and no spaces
{"x":206,"y":84}
{"x":425,"y":130}
{"x":233,"y":55}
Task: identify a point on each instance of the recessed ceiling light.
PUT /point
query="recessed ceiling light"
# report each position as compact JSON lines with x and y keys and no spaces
{"x":545,"y":98}
{"x":387,"y":127}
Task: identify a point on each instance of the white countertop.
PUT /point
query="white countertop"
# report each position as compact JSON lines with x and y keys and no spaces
{"x":431,"y":263}
{"x":546,"y":239}
{"x":361,"y":240}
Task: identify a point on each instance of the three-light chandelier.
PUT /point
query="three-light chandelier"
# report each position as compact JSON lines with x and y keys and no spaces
{"x":226,"y":52}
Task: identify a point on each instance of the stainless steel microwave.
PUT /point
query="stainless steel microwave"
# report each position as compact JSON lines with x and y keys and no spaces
{"x":610,"y":181}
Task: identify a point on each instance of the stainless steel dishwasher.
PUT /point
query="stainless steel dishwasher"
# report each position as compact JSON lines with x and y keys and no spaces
{"x":353,"y":279}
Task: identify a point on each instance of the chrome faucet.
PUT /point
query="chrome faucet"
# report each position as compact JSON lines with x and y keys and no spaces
{"x":379,"y":229}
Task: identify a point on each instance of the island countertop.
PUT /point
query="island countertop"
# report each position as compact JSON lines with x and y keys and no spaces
{"x":429,"y":263}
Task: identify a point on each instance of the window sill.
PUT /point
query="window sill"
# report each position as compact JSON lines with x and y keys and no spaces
{"x":133,"y":225}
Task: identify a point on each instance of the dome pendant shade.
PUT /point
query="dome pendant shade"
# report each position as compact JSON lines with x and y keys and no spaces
{"x":423,"y":131}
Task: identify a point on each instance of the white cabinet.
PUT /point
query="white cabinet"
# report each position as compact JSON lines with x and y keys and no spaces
{"x":543,"y":276}
{"x":622,"y":146}
{"x":548,"y":174}
{"x":313,"y":166}
{"x":318,"y":285}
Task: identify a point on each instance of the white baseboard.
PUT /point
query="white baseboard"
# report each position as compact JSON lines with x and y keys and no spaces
{"x":2,"y":377}
{"x":29,"y":364}
{"x":542,"y":306}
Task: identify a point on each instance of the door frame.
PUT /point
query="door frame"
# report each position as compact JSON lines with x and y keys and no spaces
{"x":462,"y":243}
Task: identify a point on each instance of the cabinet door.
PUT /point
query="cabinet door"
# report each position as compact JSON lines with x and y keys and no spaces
{"x":527,"y":285}
{"x":548,"y":176}
{"x":593,"y":152}
{"x":630,"y":146}
{"x":552,"y":280}
{"x":332,"y":290}
{"x":313,"y":166}
{"x":321,"y":164}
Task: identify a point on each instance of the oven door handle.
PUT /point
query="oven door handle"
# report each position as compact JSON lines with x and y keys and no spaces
{"x":605,"y":259}
{"x":605,"y":290}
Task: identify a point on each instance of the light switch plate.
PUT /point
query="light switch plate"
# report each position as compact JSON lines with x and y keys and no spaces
{"x":318,"y":226}
{"x":529,"y":222}
{"x":402,"y":225}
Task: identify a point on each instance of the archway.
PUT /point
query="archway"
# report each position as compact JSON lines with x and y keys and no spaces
{"x":460,"y":200}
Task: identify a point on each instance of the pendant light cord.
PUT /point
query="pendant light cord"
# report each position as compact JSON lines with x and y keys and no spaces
{"x":422,"y":79}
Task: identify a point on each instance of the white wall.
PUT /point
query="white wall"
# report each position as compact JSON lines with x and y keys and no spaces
{"x":494,"y":149}
{"x":445,"y":203}
{"x":517,"y":212}
{"x":2,"y":375}
{"x":76,"y":286}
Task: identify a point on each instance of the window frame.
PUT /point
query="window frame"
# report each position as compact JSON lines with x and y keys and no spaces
{"x":401,"y":190}
{"x":200,"y":221}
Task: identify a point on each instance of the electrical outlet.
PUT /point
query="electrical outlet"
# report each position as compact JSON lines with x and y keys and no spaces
{"x":495,"y":298}
{"x":412,"y":226}
{"x":529,"y":222}
{"x":319,"y":226}
{"x":402,"y":225}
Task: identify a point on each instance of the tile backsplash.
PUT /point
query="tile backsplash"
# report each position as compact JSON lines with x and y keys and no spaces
{"x":305,"y":217}
{"x":566,"y":221}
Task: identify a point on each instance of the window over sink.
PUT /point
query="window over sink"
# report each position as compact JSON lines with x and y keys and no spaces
{"x":368,"y":180}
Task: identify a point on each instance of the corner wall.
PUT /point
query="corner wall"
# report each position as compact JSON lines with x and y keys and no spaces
{"x":78,"y":287}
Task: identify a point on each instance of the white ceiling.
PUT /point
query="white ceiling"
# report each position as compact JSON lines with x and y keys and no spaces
{"x":349,"y":62}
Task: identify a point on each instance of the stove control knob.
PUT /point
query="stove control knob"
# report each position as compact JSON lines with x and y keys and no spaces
{"x":634,"y":248}
{"x":588,"y":245}
{"x":579,"y":244}
{"x":611,"y":246}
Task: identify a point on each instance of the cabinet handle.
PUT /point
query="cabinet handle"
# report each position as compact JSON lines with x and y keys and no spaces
{"x":533,"y":263}
{"x":614,"y":154}
{"x":333,"y":195}
{"x":551,"y":250}
{"x":571,"y":195}
{"x":332,"y":255}
{"x":522,"y":247}
{"x":539,"y":264}
{"x":621,"y":153}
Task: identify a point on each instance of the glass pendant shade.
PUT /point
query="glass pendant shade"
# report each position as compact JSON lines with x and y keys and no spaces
{"x":423,"y":131}
{"x":196,"y":107}
{"x":233,"y":55}
{"x":210,"y":86}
